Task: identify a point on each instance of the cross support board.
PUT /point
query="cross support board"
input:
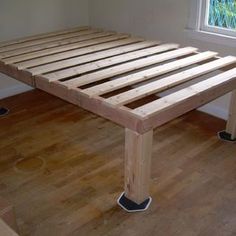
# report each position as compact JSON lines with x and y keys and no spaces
{"x":117,"y":76}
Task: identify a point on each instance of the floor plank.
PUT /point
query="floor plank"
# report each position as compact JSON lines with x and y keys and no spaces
{"x":62,"y":168}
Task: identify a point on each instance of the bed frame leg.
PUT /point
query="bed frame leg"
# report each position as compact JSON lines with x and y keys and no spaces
{"x":230,"y":133}
{"x":3,"y":111}
{"x":138,"y":152}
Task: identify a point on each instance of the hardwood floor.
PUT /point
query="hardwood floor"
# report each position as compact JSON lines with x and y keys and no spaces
{"x":62,"y":168}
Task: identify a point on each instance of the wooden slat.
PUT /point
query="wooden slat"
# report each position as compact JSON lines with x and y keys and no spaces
{"x":91,"y":57}
{"x":43,"y":40}
{"x":168,"y":82}
{"x":120,"y":40}
{"x":106,"y":62}
{"x":44,"y":35}
{"x":130,"y":66}
{"x":58,"y":43}
{"x":203,"y":92}
{"x":54,"y":50}
{"x":147,"y":74}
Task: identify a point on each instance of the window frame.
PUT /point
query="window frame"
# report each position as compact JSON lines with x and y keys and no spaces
{"x":198,"y":27}
{"x":204,"y":21}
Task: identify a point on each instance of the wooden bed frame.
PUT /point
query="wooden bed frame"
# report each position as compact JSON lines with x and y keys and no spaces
{"x":104,"y":72}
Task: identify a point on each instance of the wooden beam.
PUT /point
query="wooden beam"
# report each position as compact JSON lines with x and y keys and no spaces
{"x":43,"y":35}
{"x":43,"y":40}
{"x":118,"y":40}
{"x":169,"y":82}
{"x":57,"y":43}
{"x":23,"y":76}
{"x":59,"y":65}
{"x":90,"y":67}
{"x":231,"y":123}
{"x":24,"y":54}
{"x":147,"y":74}
{"x":138,"y":152}
{"x":176,"y":104}
{"x":131,"y":66}
{"x":55,"y":50}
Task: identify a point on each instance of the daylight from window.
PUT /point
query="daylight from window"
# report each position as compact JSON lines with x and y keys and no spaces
{"x":222,"y":13}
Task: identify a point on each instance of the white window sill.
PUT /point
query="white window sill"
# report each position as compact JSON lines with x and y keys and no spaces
{"x":211,"y":37}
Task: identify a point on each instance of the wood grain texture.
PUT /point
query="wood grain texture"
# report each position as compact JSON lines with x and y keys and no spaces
{"x":12,"y":71}
{"x":43,"y":35}
{"x":144,"y":75}
{"x":185,"y":100}
{"x":57,"y":43}
{"x":65,"y":63}
{"x":62,"y":168}
{"x":118,"y":40}
{"x":100,"y":64}
{"x":231,"y":124}
{"x":38,"y":41}
{"x":169,"y":81}
{"x":138,"y":153}
{"x":129,"y":67}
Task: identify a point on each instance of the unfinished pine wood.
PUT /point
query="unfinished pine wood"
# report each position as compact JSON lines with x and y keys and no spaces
{"x":169,"y":81}
{"x":43,"y":35}
{"x":138,"y":153}
{"x":184,"y":94}
{"x":130,"y":66}
{"x":62,"y":74}
{"x":95,"y":34}
{"x":182,"y":101}
{"x":147,"y":74}
{"x":127,"y":47}
{"x":193,"y":183}
{"x":231,"y":123}
{"x":92,"y":39}
{"x":5,"y":230}
{"x":13,"y":72}
{"x":117,"y":41}
{"x":43,"y":40}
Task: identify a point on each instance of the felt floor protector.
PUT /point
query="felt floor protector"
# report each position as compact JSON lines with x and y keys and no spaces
{"x":223,"y":135}
{"x":130,"y":206}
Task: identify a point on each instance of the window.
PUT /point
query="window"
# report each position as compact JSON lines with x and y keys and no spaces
{"x":215,"y":19}
{"x":219,"y":16}
{"x":222,"y":13}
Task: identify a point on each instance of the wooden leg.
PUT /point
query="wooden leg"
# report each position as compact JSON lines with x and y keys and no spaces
{"x":138,"y":151}
{"x":231,"y":124}
{"x":230,"y":133}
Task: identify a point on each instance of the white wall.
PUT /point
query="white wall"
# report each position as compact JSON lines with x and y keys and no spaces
{"x":155,"y":19}
{"x":19,"y":18}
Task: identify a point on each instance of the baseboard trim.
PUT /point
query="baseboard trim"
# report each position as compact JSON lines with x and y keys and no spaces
{"x":14,"y":90}
{"x":215,"y":111}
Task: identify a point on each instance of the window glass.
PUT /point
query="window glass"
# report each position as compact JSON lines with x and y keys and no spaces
{"x":222,"y":13}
